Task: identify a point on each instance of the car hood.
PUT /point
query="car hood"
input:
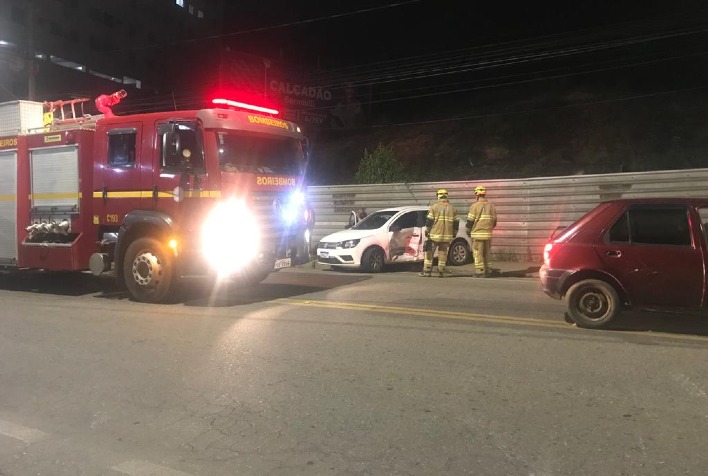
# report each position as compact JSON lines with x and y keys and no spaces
{"x":349,"y":235}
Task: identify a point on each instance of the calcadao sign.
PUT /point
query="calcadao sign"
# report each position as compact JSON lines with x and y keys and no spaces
{"x":301,"y":95}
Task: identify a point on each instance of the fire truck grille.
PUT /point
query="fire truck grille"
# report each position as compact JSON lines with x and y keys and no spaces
{"x":267,"y":207}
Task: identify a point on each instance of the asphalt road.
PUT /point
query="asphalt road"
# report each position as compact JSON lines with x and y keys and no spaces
{"x":317,"y":372}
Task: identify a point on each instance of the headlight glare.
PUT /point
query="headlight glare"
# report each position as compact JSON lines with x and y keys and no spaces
{"x":293,"y":206}
{"x":230,"y":237}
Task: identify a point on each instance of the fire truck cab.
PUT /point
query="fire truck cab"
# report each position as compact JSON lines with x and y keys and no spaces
{"x":153,"y":197}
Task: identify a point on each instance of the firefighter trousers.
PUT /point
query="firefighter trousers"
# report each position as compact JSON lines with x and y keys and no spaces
{"x":480,"y":252}
{"x":442,"y":248}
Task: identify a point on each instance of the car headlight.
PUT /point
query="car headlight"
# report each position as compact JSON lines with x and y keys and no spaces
{"x":348,"y":244}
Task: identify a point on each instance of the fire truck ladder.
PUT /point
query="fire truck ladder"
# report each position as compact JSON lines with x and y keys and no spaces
{"x":68,"y":116}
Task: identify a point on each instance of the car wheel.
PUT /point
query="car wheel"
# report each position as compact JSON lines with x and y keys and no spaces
{"x":372,"y":261}
{"x":592,"y":303}
{"x":458,"y":254}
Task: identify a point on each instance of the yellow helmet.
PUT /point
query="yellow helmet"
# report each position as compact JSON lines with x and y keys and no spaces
{"x":442,"y":193}
{"x":480,"y":190}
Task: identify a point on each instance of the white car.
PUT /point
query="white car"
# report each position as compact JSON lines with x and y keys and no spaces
{"x":392,"y":235}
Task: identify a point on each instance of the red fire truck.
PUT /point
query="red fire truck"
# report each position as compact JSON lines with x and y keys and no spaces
{"x":153,"y":197}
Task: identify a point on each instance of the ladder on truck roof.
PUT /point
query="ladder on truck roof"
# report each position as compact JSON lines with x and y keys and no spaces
{"x":69,"y":119}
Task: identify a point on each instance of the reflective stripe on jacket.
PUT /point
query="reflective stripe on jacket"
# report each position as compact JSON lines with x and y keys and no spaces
{"x":441,"y":221}
{"x":483,"y":219}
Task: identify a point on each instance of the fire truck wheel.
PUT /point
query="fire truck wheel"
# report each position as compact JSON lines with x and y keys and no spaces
{"x":147,"y":270}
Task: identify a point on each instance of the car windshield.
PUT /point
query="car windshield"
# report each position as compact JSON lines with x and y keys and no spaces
{"x":375,"y":220}
{"x":261,"y":153}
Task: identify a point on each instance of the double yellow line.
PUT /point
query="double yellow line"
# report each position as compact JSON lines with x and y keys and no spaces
{"x":466,"y":316}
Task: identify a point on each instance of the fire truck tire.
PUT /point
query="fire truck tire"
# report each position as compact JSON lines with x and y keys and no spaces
{"x":148,"y":270}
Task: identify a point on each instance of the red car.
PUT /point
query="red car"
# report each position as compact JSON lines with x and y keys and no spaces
{"x":648,"y":253}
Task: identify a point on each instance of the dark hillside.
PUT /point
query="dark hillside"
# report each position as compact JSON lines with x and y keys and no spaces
{"x":664,"y":131}
{"x":643,"y":109}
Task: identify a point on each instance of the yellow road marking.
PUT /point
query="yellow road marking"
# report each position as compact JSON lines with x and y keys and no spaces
{"x":426,"y":313}
{"x":467,"y":316}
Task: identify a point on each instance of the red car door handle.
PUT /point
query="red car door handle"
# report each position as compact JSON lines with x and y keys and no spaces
{"x":614,"y":253}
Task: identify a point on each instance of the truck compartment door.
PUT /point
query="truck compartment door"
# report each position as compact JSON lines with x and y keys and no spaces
{"x":8,"y":207}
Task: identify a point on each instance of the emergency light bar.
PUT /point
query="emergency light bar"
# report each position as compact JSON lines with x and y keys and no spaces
{"x":229,"y":102}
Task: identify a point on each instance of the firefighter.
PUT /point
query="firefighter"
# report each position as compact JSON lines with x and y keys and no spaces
{"x":481,"y":220}
{"x":441,"y":226}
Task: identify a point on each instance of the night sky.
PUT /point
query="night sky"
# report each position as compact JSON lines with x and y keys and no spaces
{"x":418,"y":55}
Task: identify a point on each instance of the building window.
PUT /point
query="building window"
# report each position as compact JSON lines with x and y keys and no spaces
{"x":180,"y":3}
{"x":200,"y":14}
{"x":191,"y":9}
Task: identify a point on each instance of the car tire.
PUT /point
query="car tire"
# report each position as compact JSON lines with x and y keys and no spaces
{"x":459,"y":253}
{"x":372,"y":261}
{"x":592,"y":303}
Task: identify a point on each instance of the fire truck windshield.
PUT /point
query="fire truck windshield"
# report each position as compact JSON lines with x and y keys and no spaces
{"x":262,"y":153}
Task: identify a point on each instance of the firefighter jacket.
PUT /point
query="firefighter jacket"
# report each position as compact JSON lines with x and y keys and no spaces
{"x":442,"y":221}
{"x":481,"y":220}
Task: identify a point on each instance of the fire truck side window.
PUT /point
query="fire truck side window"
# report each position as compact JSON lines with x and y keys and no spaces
{"x":121,"y":148}
{"x":186,"y":150}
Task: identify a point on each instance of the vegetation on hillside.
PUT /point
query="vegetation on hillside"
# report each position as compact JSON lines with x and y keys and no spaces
{"x":380,"y":166}
{"x":542,"y":135}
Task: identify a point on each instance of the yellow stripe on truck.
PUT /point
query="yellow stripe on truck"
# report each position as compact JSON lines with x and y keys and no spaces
{"x":149,"y":194}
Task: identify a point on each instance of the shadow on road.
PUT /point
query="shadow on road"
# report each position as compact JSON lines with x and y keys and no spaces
{"x":276,"y":286}
{"x":193,"y":293}
{"x":693,"y":324}
{"x":58,"y":282}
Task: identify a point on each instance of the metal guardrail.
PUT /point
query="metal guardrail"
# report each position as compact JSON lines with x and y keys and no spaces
{"x":529,"y":210}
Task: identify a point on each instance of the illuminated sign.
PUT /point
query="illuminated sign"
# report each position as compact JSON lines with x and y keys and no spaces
{"x":301,"y":91}
{"x":268,"y":121}
{"x":276,"y":181}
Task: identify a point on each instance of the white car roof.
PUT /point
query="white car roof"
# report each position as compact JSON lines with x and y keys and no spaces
{"x":408,"y":208}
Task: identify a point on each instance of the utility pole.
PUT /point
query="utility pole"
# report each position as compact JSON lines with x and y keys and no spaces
{"x":266,"y":65}
{"x":30,"y":61}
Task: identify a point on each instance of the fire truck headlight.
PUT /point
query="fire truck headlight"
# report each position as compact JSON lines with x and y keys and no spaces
{"x":293,"y":207}
{"x":230,"y":237}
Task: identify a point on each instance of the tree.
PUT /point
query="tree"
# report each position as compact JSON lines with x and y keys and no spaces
{"x":380,"y":166}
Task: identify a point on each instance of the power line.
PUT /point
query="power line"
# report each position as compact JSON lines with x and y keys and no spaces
{"x":272,"y":27}
{"x":534,"y":110}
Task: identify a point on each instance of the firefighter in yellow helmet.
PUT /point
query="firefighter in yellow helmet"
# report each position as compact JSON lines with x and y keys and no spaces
{"x":481,"y":220}
{"x":441,"y":225}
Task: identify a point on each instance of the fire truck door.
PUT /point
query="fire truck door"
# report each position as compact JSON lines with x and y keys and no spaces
{"x":8,"y":207}
{"x":178,"y":164}
{"x":118,"y":189}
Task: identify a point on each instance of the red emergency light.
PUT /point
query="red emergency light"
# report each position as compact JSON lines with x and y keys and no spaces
{"x":242,"y":105}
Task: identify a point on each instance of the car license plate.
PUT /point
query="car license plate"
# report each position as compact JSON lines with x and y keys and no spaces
{"x":324,"y":254}
{"x":282,"y":263}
